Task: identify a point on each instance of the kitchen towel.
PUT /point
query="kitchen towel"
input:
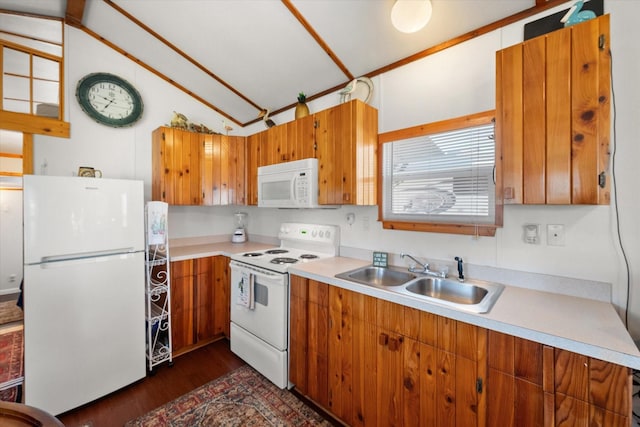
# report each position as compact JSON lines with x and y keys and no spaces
{"x":246,"y":285}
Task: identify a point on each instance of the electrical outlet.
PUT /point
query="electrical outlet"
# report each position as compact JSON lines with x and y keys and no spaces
{"x":555,"y":234}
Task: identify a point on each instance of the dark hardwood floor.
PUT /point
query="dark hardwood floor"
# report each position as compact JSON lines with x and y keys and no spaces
{"x":188,"y":372}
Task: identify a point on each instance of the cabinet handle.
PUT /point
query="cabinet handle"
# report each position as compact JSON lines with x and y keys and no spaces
{"x":509,"y":193}
{"x":479,"y":385}
{"x":383,"y":339}
{"x":394,"y":344}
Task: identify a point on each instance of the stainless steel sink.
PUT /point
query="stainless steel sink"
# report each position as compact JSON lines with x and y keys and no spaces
{"x":472,"y":295}
{"x":448,"y":290}
{"x":377,"y":276}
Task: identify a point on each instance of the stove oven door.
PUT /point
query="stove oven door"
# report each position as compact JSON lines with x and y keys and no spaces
{"x":259,"y":335}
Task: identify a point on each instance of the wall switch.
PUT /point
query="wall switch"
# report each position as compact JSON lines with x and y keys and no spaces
{"x":555,"y":234}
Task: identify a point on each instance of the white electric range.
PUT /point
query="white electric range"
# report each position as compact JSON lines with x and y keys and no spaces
{"x":260,"y":295}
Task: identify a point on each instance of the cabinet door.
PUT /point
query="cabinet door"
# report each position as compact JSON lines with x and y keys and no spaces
{"x":318,"y":388}
{"x":274,"y":145}
{"x":298,"y":332}
{"x":340,"y":354}
{"x":212,"y":184}
{"x":346,"y":148}
{"x":176,"y":166}
{"x":222,"y":292}
{"x":162,"y":167}
{"x":331,"y":128}
{"x":186,"y":150}
{"x":515,"y":382}
{"x":304,"y":147}
{"x":556,"y":87}
{"x":509,"y":120}
{"x":223,"y":165}
{"x":182,"y":310}
{"x":237,"y":170}
{"x":590,"y":111}
{"x":254,"y":153}
{"x":204,"y":298}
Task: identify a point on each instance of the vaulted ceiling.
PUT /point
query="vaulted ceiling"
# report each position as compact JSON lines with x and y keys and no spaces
{"x":239,"y":56}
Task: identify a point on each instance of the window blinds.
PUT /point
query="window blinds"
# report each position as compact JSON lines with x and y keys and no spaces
{"x":446,"y":177}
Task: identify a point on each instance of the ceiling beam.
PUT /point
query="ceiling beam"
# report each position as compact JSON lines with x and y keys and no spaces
{"x":156,"y":72}
{"x":181,"y":53}
{"x":75,"y":12}
{"x":317,"y":38}
{"x":539,"y":7}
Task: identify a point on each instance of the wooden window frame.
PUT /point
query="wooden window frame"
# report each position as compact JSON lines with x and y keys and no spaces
{"x":431,"y":128}
{"x":32,"y":123}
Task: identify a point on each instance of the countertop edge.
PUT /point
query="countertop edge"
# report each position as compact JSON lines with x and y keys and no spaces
{"x":546,"y":338}
{"x":340,"y":264}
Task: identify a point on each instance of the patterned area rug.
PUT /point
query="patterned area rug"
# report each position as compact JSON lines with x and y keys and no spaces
{"x":11,"y":365}
{"x":241,"y":398}
{"x":10,"y":312}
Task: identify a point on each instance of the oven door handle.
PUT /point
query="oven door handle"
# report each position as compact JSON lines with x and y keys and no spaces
{"x":255,"y":270}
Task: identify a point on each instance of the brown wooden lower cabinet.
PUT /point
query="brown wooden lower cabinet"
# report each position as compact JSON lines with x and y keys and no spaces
{"x":371,"y":362}
{"x":530,"y":384}
{"x":200,"y":298}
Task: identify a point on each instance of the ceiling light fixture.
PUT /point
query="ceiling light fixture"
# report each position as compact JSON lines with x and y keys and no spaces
{"x":409,"y":16}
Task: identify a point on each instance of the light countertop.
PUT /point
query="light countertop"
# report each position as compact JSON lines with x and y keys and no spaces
{"x":181,"y":253}
{"x":581,"y":325}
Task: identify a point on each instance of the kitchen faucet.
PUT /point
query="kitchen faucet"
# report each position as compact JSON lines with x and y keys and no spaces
{"x":460,"y":271}
{"x":424,"y":268}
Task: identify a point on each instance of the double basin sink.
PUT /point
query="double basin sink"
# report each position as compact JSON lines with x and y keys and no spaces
{"x":473,"y":295}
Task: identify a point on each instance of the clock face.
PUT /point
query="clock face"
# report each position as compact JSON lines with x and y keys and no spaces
{"x":109,"y":100}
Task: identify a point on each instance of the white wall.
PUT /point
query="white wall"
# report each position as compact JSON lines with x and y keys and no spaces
{"x":11,"y":241}
{"x":454,"y":82}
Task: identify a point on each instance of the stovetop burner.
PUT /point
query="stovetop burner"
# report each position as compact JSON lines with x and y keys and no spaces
{"x":299,"y":243}
{"x":284,"y":260}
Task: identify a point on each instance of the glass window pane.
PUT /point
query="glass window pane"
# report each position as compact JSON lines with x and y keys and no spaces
{"x":15,"y":94}
{"x":15,"y":62}
{"x":45,"y":98}
{"x":46,"y":69}
{"x":441,"y":178}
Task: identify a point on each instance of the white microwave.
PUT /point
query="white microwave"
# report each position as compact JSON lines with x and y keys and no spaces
{"x":289,"y":185}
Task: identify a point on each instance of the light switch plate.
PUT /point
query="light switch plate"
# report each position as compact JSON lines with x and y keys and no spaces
{"x":555,"y":234}
{"x":531,"y":234}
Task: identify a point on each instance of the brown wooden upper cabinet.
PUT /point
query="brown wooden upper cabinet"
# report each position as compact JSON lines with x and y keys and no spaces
{"x":553,"y":116}
{"x":197,"y":169}
{"x":343,"y":138}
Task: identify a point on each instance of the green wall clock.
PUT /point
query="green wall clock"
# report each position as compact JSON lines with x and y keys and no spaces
{"x":109,"y":99}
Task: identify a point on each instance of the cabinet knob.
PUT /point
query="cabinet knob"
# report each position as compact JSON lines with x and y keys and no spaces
{"x":394,"y":344}
{"x":509,"y":193}
{"x":383,"y":339}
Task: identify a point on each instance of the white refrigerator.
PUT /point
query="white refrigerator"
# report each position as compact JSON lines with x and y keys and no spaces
{"x":84,"y":333}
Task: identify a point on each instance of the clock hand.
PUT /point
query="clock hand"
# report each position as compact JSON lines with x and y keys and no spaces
{"x":109,"y":103}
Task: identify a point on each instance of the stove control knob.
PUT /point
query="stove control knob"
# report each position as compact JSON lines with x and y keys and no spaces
{"x":321,"y":233}
{"x":327,"y":234}
{"x":314,"y":233}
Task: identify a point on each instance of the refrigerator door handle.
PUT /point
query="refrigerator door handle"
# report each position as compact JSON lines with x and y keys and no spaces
{"x":83,"y":255}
